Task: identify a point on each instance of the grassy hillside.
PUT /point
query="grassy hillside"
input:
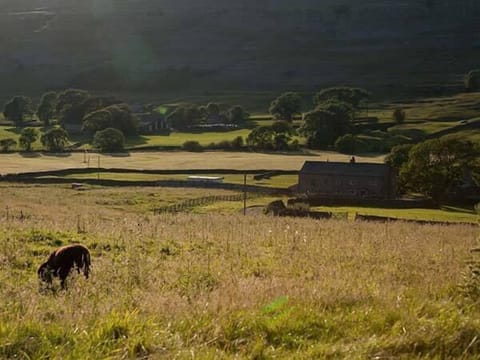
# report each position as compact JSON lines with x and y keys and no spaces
{"x":230,"y":287}
{"x":173,"y":47}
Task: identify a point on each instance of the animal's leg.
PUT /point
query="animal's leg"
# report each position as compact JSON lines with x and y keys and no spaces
{"x":79,"y":264}
{"x":86,"y":264}
{"x":63,"y":273}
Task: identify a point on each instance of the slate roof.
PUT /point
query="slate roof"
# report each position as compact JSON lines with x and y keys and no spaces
{"x":341,"y":168}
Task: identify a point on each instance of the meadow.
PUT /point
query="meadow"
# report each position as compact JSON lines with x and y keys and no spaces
{"x":174,"y":160}
{"x":218,"y":286}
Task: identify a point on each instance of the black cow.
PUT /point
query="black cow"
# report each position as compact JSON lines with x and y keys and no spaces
{"x":61,"y":262}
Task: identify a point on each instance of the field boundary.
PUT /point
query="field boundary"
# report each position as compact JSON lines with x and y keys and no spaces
{"x":72,"y":171}
{"x":205,"y":200}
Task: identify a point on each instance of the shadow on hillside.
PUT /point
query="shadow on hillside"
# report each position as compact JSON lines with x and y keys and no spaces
{"x":136,"y":140}
{"x":59,"y":154}
{"x":30,"y":154}
{"x":119,"y":154}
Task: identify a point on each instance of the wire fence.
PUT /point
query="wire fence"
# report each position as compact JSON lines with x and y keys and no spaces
{"x":202,"y":201}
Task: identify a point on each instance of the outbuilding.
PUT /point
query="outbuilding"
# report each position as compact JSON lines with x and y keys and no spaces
{"x":352,"y":180}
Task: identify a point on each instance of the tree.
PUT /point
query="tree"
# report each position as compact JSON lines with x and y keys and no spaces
{"x":213,"y":109}
{"x":184,"y":116}
{"x":97,"y":121}
{"x":71,"y":107}
{"x":192,"y":145}
{"x":275,"y":137}
{"x":109,"y":139}
{"x":237,"y":115}
{"x":55,"y":139}
{"x":27,"y":137}
{"x":435,"y":166}
{"x":237,"y":143}
{"x":261,"y":137}
{"x":353,"y":96}
{"x":399,"y":116}
{"x":17,"y":109}
{"x":347,"y":144}
{"x":398,"y":156}
{"x":286,"y":106}
{"x":282,"y":134}
{"x":324,"y":125}
{"x":47,"y":107}
{"x":118,"y":116}
{"x":6,"y":144}
{"x":123,"y":118}
{"x":472,"y":80}
{"x":318,"y":128}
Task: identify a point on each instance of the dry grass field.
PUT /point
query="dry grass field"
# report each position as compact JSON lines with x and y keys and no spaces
{"x":15,"y":163}
{"x":213,"y":286}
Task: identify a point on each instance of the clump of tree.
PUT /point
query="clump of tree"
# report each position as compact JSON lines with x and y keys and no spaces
{"x":70,"y":106}
{"x":326,"y":123}
{"x":46,"y":109}
{"x":73,"y":105}
{"x":237,"y":115}
{"x":18,"y":109}
{"x":472,"y":80}
{"x":278,"y":136}
{"x":55,"y":139}
{"x":286,"y":106}
{"x":355,"y":97}
{"x":185,"y":116}
{"x":118,"y":116}
{"x":27,"y":137}
{"x":109,"y":140}
{"x":435,"y":167}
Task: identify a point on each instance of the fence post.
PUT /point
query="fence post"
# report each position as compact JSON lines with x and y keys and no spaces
{"x":244,"y":194}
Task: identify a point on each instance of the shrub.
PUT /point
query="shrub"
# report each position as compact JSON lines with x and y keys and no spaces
{"x":109,"y":140}
{"x":472,"y":80}
{"x":6,"y":144}
{"x":349,"y":144}
{"x":399,"y":116}
{"x":294,"y":145}
{"x":192,"y":145}
{"x":237,"y":143}
{"x":27,"y":137}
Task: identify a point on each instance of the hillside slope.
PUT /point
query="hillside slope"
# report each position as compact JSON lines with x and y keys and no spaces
{"x":184,"y":46}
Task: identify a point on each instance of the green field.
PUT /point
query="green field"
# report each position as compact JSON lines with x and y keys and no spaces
{"x":210,"y":285}
{"x":178,"y":138}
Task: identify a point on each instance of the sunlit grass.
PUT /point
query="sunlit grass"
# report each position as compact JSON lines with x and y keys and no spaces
{"x":214,"y":286}
{"x":444,"y":214}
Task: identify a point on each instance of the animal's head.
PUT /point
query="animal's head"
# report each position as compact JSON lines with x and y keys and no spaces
{"x":45,"y":273}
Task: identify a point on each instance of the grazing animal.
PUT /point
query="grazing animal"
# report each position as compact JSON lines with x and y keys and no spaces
{"x":61,"y":262}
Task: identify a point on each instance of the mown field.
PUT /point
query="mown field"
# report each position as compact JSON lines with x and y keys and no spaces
{"x":217,"y":286}
{"x":177,"y":160}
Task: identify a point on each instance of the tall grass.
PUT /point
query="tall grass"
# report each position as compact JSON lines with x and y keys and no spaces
{"x":215,"y":286}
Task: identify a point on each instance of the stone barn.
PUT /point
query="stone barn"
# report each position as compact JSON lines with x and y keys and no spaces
{"x":347,"y":180}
